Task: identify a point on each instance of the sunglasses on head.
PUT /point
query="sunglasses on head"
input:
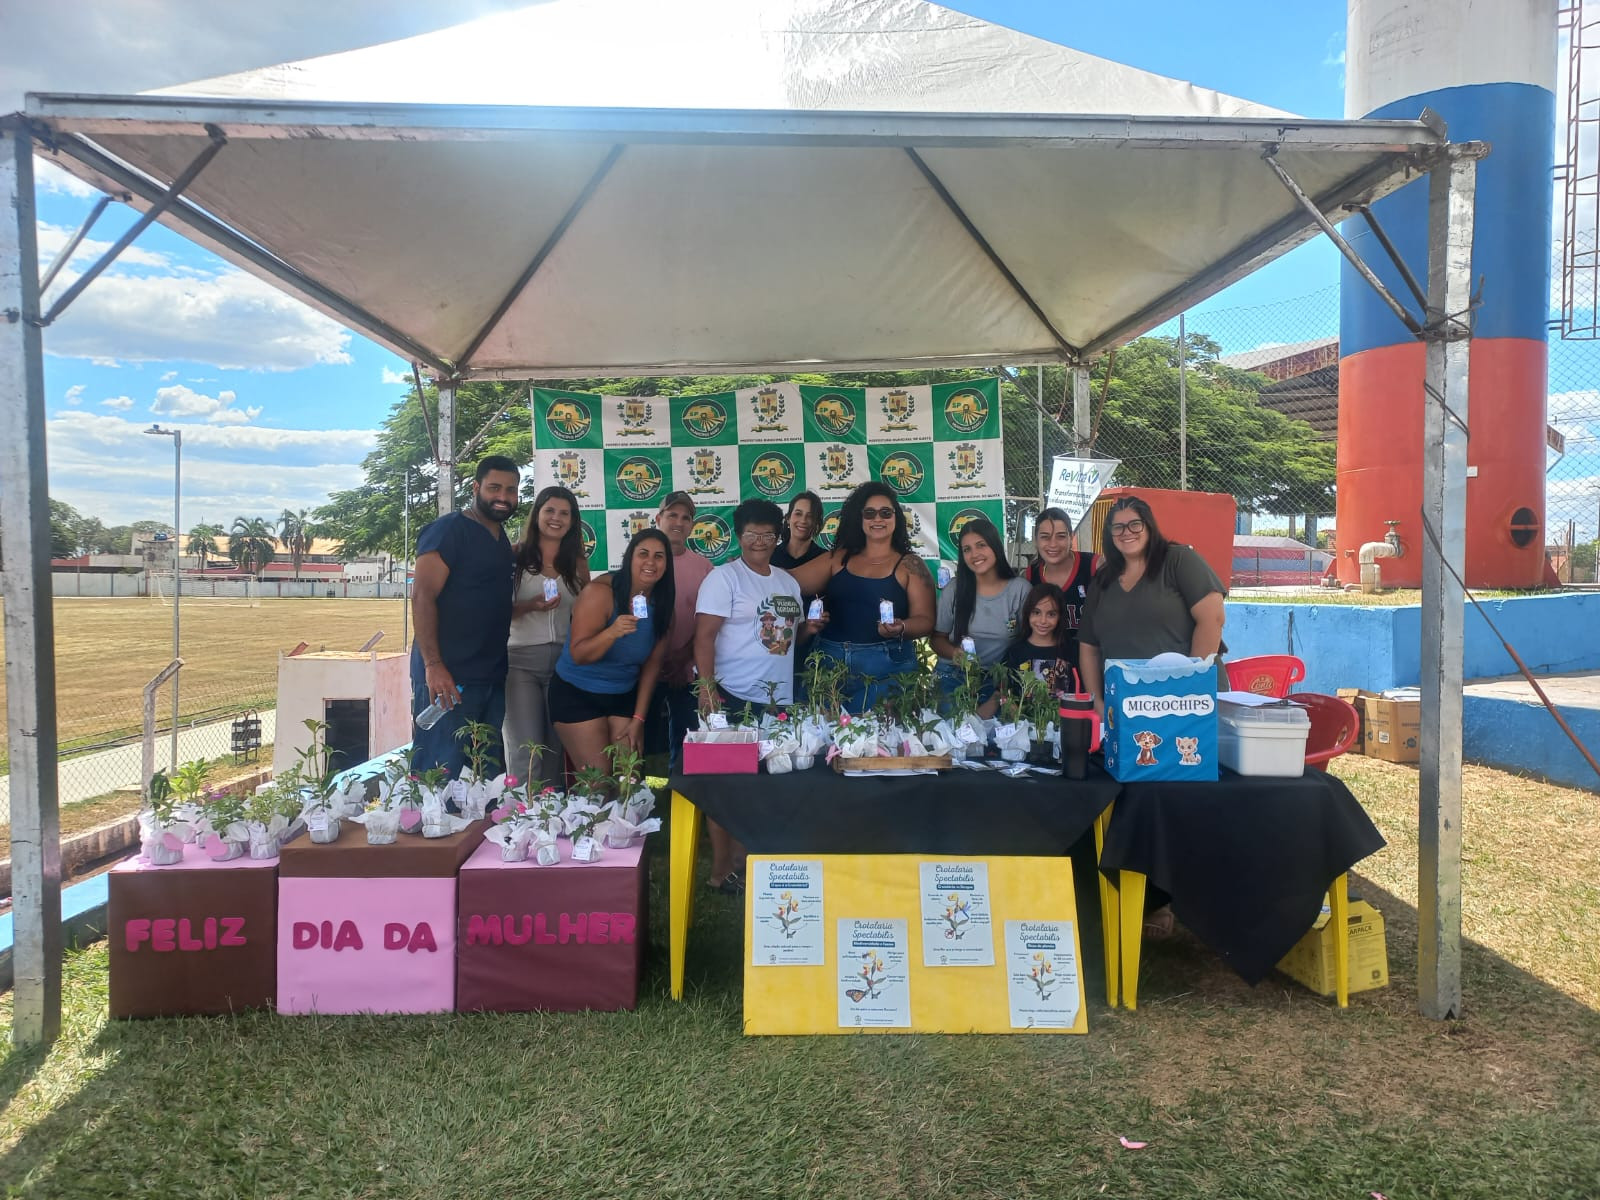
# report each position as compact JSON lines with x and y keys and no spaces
{"x":877,"y":514}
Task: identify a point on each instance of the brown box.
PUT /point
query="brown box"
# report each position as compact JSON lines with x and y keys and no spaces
{"x":1391,"y":730}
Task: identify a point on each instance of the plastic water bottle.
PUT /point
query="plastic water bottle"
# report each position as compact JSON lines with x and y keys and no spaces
{"x":429,"y":717}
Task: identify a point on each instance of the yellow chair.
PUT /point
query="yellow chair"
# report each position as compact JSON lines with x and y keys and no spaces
{"x":686,"y":821}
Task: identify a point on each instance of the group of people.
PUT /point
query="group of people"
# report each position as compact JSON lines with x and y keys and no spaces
{"x":519,"y":637}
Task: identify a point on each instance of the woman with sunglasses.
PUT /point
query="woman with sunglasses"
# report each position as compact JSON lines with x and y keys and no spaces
{"x":871,"y":564}
{"x":1150,"y":597}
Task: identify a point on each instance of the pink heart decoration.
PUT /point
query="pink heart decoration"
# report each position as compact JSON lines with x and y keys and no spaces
{"x":172,"y":841}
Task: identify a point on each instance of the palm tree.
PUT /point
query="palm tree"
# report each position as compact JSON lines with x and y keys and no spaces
{"x":203,"y":542}
{"x":251,"y":544}
{"x":295,"y":531}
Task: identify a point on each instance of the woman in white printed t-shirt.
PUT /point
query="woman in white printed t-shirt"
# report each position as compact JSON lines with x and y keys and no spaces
{"x":748,"y":621}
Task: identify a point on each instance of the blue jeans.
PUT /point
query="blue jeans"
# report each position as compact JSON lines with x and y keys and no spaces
{"x":869,"y":668}
{"x":439,"y":746}
{"x":950,"y":677}
{"x":673,"y":712}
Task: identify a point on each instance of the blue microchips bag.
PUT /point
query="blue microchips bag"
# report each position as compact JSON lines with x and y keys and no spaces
{"x":1161,"y":718}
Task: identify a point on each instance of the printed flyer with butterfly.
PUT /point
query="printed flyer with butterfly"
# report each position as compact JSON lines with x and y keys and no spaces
{"x":786,"y":907}
{"x":874,"y":975}
{"x":956,"y":929}
{"x":1042,"y":974}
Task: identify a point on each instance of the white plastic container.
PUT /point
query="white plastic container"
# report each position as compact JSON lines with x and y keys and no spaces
{"x":1267,"y":739}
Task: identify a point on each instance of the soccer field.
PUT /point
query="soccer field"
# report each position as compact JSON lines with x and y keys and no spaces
{"x":108,"y":649}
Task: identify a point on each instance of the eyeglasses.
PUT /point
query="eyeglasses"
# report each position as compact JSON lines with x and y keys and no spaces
{"x":758,"y":539}
{"x":877,"y":514}
{"x":1121,"y":527}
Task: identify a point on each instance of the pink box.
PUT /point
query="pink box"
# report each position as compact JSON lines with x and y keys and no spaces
{"x":366,"y":945}
{"x":721,"y":758}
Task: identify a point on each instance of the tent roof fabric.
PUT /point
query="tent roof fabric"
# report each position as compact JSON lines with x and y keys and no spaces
{"x":781,"y":185}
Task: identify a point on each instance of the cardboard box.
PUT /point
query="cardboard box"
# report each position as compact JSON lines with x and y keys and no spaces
{"x":721,"y":757}
{"x":1391,"y":730}
{"x":1161,"y":721}
{"x":1311,"y":960}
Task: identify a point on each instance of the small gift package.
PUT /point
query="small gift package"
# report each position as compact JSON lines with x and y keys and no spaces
{"x":513,"y":836}
{"x":161,"y":841}
{"x":717,"y":749}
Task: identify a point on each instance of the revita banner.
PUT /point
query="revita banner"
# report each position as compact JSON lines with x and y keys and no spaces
{"x":938,"y":446}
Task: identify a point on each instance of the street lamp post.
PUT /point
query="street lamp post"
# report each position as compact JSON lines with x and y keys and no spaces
{"x":177,"y":574}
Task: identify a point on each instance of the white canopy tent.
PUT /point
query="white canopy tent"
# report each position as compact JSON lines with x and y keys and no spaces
{"x":610,"y":187}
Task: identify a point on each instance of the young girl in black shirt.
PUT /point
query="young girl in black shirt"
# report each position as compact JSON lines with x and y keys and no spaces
{"x":1045,"y":643}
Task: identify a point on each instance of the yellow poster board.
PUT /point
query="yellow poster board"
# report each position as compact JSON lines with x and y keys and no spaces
{"x":807,"y":996}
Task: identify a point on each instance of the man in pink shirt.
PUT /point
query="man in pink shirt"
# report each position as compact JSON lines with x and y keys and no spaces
{"x":674,"y":706}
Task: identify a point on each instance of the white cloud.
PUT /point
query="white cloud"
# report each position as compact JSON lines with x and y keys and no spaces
{"x":179,"y":400}
{"x":53,"y":239}
{"x":394,"y":377}
{"x":74,"y":394}
{"x":48,"y":177}
{"x":168,"y":376}
{"x":120,"y":403}
{"x":229,"y":320}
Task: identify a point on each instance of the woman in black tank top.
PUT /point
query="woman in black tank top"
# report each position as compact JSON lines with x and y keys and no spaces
{"x":1058,"y":561}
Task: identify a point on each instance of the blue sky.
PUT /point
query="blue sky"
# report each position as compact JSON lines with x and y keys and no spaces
{"x":279,"y":404}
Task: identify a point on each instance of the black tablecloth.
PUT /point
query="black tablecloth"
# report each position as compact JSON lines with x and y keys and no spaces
{"x":955,"y":812}
{"x":1247,"y":861}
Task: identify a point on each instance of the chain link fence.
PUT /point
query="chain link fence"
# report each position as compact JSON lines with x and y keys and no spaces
{"x":1572,"y":482}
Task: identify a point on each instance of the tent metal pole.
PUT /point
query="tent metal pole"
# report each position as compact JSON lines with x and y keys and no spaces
{"x":1067,"y":349}
{"x":1183,"y":407}
{"x":544,"y":252}
{"x":1345,"y":248}
{"x":1082,"y":409}
{"x":447,"y":447}
{"x":146,"y":219}
{"x":73,"y":243}
{"x":25,"y":585}
{"x":1448,"y":335}
{"x":230,"y":244}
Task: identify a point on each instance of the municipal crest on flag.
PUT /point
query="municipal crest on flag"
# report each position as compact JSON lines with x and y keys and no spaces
{"x":568,"y":420}
{"x":966,"y":464}
{"x":903,"y":472}
{"x":838,"y":464}
{"x":710,"y":536}
{"x":769,"y":405}
{"x":570,"y":471}
{"x":966,"y":410}
{"x":705,"y":419}
{"x":899,"y":406}
{"x":635,"y":413}
{"x":835,"y":414}
{"x":639,"y":479}
{"x":773,"y":474}
{"x":590,"y":541}
{"x":828,"y":530}
{"x":705,"y":468}
{"x":631,"y":524}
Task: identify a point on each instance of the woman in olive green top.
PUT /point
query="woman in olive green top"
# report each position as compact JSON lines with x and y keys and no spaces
{"x":1150,"y":597}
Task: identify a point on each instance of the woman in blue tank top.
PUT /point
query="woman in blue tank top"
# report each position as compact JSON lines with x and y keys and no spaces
{"x":607,"y":670}
{"x":871,"y":562}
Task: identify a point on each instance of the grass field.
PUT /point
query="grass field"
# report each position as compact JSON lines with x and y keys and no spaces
{"x":1239,"y":1092}
{"x":107,"y":650}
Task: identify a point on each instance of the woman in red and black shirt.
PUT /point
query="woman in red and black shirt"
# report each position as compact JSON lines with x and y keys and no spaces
{"x":1058,"y":561}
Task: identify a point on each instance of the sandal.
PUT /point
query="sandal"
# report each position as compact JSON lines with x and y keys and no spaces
{"x":1159,"y":925}
{"x":729,"y":885}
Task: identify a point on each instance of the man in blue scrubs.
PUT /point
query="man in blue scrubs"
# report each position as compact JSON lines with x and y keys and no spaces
{"x":461,"y":605}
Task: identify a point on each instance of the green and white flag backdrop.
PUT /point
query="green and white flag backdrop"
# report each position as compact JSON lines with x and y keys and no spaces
{"x":939,"y":447}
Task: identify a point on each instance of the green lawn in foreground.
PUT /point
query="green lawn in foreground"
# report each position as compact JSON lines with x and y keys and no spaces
{"x":1265,"y":1092}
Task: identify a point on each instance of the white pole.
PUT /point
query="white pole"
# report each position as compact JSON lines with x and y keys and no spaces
{"x":405,"y":565}
{"x":177,"y":580}
{"x":1183,"y":409}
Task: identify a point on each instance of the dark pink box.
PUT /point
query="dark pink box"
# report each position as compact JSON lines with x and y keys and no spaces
{"x":720,"y":758}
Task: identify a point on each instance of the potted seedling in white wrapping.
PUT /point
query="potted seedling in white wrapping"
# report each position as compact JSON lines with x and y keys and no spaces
{"x":161,"y":830}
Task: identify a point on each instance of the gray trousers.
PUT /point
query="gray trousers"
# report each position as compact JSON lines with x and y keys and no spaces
{"x":528,"y":712}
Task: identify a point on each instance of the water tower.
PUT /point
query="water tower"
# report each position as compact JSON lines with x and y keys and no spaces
{"x":1488,"y":68}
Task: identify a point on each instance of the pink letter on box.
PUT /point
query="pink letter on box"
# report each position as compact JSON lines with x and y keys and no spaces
{"x":371,"y":979}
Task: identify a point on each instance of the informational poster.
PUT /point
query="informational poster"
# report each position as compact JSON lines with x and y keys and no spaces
{"x":1042,"y":974}
{"x":1075,"y":483}
{"x":786,"y":909}
{"x":956,"y":930}
{"x":938,"y":446}
{"x":874,"y":980}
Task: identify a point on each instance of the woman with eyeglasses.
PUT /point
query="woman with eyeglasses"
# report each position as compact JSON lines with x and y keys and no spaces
{"x":1149,"y":597}
{"x":871,"y":565}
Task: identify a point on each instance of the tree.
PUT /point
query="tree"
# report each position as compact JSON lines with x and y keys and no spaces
{"x":203,"y":543}
{"x":295,"y":531}
{"x":64,"y":522}
{"x":251,"y":544}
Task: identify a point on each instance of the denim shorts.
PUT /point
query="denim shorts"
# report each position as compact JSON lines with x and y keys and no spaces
{"x":870,"y":668}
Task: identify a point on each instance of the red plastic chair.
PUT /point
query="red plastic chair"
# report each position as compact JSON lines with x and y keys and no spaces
{"x":1335,"y":724}
{"x":1266,"y":674}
